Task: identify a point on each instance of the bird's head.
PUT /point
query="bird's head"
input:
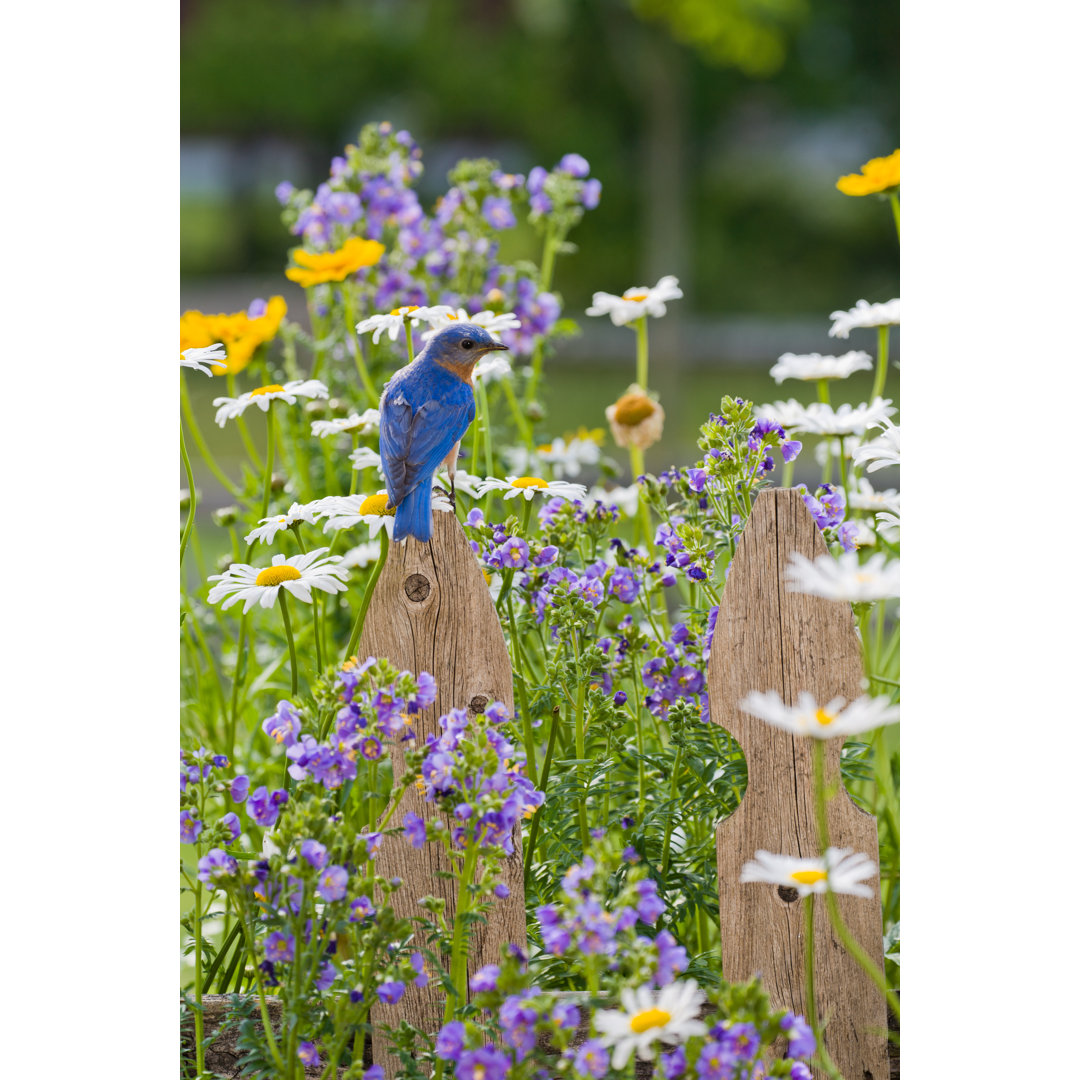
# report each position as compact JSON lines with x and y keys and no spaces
{"x":458,"y":347}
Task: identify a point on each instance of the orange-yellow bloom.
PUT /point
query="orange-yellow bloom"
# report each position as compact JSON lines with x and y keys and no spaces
{"x":240,"y":334}
{"x":878,"y":174}
{"x":317,"y":267}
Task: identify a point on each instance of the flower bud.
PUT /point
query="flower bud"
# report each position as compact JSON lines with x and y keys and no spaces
{"x":315,"y":409}
{"x":225,"y":516}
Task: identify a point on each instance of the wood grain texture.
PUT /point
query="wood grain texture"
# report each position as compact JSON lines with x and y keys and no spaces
{"x":431,"y":611}
{"x":768,"y":638}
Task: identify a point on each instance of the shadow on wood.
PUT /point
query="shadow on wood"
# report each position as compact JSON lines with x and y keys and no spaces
{"x":431,"y":611}
{"x":768,"y":638}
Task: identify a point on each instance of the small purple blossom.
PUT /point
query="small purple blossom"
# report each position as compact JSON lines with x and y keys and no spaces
{"x":575,"y":165}
{"x":238,"y":789}
{"x":415,"y":829}
{"x":497,"y":212}
{"x":314,"y":853}
{"x":332,"y":883}
{"x":308,"y":1055}
{"x":390,"y":992}
{"x":232,"y":824}
{"x":484,"y":979}
{"x":591,"y":1059}
{"x":190,"y":827}
{"x":280,"y":948}
{"x":216,"y":864}
{"x":450,"y":1041}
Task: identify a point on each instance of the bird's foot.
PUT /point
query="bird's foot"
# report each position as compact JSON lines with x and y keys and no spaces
{"x":449,"y":494}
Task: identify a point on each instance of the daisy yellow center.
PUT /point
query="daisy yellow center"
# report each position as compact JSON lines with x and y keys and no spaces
{"x":637,"y":296}
{"x":403,"y":310}
{"x":275,"y":575}
{"x":862,"y":579}
{"x":648,"y":1018}
{"x":273,"y":388}
{"x":823,"y":718}
{"x":376,"y":504}
{"x":632,"y":409}
{"x":808,"y":877}
{"x":529,"y":481}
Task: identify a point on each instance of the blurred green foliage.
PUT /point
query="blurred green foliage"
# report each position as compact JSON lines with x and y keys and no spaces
{"x":718,"y":127}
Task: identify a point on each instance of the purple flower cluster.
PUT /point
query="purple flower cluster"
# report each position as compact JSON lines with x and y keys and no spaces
{"x":584,"y":923}
{"x":680,"y":670}
{"x":371,"y":714}
{"x":828,"y":504}
{"x":475,"y":773}
{"x":549,"y":191}
{"x":678,"y":557}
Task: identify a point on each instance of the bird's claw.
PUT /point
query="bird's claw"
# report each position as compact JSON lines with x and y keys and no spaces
{"x":449,"y":494}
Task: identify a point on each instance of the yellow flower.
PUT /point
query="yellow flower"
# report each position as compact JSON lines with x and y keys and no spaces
{"x":878,"y":174}
{"x":240,"y":334}
{"x":318,"y":267}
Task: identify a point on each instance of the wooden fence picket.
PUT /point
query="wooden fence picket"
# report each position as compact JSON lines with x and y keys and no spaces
{"x":431,"y":611}
{"x":768,"y":638}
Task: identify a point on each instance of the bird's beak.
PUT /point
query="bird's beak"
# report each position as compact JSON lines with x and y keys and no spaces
{"x":496,"y":346}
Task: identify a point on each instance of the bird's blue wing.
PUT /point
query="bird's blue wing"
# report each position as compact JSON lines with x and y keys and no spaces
{"x":415,"y":438}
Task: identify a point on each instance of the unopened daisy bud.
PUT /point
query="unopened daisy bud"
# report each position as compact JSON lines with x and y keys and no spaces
{"x":225,"y":516}
{"x":337,"y":407}
{"x":315,"y":408}
{"x":535,"y":411}
{"x":494,"y":296}
{"x":636,"y":419}
{"x":185,"y":498}
{"x":278,"y":481}
{"x":223,"y":563}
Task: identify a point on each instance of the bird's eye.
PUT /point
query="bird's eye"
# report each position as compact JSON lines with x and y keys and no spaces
{"x":467,"y":344}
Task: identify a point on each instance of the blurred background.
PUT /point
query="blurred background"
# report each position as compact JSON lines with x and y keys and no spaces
{"x":718,"y":129}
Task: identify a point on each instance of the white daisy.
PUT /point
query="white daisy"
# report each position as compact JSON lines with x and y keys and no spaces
{"x":362,"y":555}
{"x":864,"y":497}
{"x":791,"y":415}
{"x":199,"y":358}
{"x":443,"y":316}
{"x":566,"y":458}
{"x":528,"y":486}
{"x":813,"y":366}
{"x":363,"y":457}
{"x":366,"y":423}
{"x":670,"y":1016}
{"x":882,"y":451}
{"x":822,"y":419}
{"x":345,"y":511}
{"x":864,"y":535}
{"x":864,"y":314}
{"x":829,"y":721}
{"x":492,"y":366}
{"x":269,"y":527}
{"x":391,"y":322}
{"x":841,"y":870}
{"x":844,"y":578}
{"x":636,"y":302}
{"x":888,"y":525}
{"x":519,"y":461}
{"x":298,"y":574}
{"x":263,"y":395}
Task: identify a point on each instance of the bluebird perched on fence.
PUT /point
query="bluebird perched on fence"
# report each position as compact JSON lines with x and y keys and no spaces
{"x":425,"y":410}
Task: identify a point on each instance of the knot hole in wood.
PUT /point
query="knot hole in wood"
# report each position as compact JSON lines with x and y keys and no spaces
{"x":478,"y":704}
{"x":787,"y":893}
{"x":417,"y":587}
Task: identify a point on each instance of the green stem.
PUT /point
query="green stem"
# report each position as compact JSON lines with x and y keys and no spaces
{"x":811,"y":1000}
{"x":579,"y":730}
{"x":642,"y":353}
{"x":894,"y":198}
{"x":354,"y":343}
{"x":239,"y":677}
{"x":200,"y":444}
{"x":838,"y":924}
{"x":671,"y":818}
{"x":406,"y":326}
{"x":268,"y":474}
{"x":515,"y":411}
{"x":637,"y":467}
{"x":882,"y":364}
{"x":288,"y":636}
{"x":823,"y":391}
{"x":489,"y":458}
{"x":241,"y":424}
{"x":534,"y":824}
{"x":191,"y":495}
{"x":200,"y":1057}
{"x":295,"y":527}
{"x":358,"y":626}
{"x":458,"y":965}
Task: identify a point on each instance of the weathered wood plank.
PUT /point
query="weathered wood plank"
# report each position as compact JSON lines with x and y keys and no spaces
{"x":431,"y":611}
{"x":768,"y":638}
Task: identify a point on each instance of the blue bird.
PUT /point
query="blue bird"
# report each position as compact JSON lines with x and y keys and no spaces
{"x":425,"y":410}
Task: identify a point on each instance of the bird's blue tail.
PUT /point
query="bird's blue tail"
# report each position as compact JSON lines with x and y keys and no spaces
{"x":413,"y":516}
